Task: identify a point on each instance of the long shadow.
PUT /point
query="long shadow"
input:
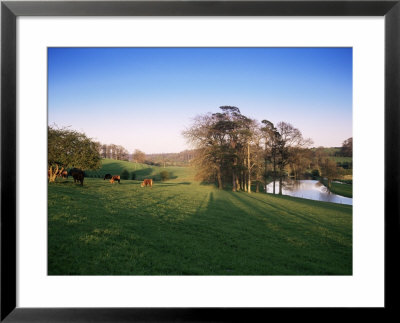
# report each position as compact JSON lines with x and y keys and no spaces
{"x":173,"y":184}
{"x":143,"y":172}
{"x":210,"y":197}
{"x":280,"y":219}
{"x":172,"y":176}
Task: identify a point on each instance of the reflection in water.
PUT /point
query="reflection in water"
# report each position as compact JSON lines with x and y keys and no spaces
{"x":309,"y":189}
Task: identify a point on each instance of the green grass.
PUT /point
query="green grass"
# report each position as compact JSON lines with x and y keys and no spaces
{"x":340,"y":188}
{"x":342,"y":159}
{"x":181,"y":227}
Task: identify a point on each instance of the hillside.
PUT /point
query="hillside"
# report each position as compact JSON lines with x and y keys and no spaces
{"x":116,"y":167}
{"x":182,"y":227}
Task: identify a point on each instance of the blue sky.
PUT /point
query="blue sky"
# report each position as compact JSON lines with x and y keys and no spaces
{"x":142,"y":98}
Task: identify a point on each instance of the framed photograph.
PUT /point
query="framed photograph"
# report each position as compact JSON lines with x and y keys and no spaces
{"x":199,"y":158}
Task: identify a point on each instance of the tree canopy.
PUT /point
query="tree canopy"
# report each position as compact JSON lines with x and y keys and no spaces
{"x":69,"y":148}
{"x":347,"y":147}
{"x":234,"y":148}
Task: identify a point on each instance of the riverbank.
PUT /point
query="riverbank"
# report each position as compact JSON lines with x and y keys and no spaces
{"x":342,"y":189}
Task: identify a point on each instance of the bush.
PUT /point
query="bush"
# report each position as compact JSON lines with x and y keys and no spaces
{"x":133,"y":176}
{"x":164,"y":175}
{"x":315,"y":173}
{"x":125,"y":174}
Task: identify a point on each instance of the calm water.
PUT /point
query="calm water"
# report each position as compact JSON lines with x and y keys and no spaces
{"x":309,"y":189}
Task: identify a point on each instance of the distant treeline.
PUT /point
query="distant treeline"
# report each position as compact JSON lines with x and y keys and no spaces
{"x":345,"y":151}
{"x":182,"y":158}
{"x":113,"y":151}
{"x":118,"y":152}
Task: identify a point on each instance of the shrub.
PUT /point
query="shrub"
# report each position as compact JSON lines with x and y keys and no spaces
{"x":133,"y":176}
{"x":125,"y":174}
{"x":164,"y":175}
{"x":315,"y":173}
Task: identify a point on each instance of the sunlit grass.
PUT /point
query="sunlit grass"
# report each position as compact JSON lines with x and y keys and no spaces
{"x":340,"y":188}
{"x":181,"y":227}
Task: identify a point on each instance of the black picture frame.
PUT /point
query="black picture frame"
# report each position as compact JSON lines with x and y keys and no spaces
{"x":10,"y":10}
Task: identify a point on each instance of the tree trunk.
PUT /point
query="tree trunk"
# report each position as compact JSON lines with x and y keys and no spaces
{"x":274,"y":175}
{"x":52,"y":175}
{"x":257,"y":187}
{"x":219,"y":180}
{"x":280,"y":184}
{"x":248,"y":168}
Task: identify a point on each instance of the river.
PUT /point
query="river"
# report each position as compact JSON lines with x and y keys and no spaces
{"x":309,"y":189}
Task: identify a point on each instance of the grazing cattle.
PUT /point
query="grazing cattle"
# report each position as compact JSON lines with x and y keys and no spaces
{"x":147,"y":182}
{"x":115,"y":178}
{"x":64,"y":174}
{"x":107,"y":176}
{"x":77,"y":174}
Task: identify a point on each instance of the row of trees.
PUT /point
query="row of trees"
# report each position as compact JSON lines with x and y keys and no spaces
{"x":182,"y":158}
{"x":236,"y":150}
{"x":113,"y":152}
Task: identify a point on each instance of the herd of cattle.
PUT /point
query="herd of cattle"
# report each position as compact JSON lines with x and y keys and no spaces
{"x":78,"y":175}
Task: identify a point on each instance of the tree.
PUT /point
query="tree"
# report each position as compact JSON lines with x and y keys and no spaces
{"x":210,"y":145}
{"x":223,"y":141}
{"x":124,"y":174}
{"x":236,"y":131}
{"x":347,"y":148}
{"x":139,"y":156}
{"x":289,"y":139}
{"x":103,"y":151}
{"x":329,"y":170}
{"x":164,"y":175}
{"x":69,"y":148}
{"x":271,"y":140}
{"x":299,"y":161}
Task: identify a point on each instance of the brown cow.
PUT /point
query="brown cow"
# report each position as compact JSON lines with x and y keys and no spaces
{"x":147,"y":182}
{"x":115,"y":178}
{"x":77,"y":174}
{"x":64,"y":174}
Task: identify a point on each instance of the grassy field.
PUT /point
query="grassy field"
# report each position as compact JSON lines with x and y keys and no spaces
{"x":181,"y":227}
{"x":342,"y":159}
{"x":340,"y":188}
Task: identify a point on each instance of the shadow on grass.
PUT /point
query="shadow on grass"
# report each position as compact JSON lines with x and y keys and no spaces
{"x":174,"y":184}
{"x":142,"y":173}
{"x":278,"y":212}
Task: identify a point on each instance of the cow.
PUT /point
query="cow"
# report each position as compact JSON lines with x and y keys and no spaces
{"x":147,"y":182}
{"x":77,"y":174}
{"x":64,"y":174}
{"x":107,"y":176}
{"x":115,"y":178}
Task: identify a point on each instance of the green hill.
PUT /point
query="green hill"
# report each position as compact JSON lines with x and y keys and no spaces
{"x":182,"y":227}
{"x":116,"y":167}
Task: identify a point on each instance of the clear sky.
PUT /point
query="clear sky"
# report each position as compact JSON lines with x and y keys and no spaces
{"x":142,"y":98}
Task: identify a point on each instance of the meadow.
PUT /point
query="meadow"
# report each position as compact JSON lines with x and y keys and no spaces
{"x":184,"y":227}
